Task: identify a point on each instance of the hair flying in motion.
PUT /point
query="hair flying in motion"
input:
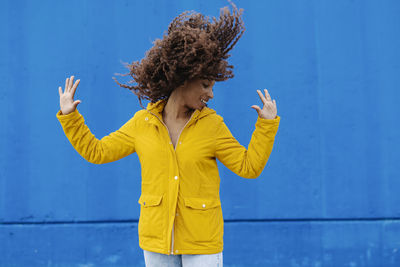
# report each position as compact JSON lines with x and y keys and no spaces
{"x":194,"y":47}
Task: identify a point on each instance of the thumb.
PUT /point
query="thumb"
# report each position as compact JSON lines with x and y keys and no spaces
{"x":257,"y":108}
{"x":76,"y":103}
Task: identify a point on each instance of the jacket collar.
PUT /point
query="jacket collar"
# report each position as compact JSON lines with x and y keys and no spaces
{"x":157,"y":108}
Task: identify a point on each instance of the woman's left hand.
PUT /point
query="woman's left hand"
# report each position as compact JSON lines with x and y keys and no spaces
{"x":269,"y":110}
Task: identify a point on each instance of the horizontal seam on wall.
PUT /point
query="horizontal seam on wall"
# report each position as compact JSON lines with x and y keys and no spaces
{"x":226,"y":221}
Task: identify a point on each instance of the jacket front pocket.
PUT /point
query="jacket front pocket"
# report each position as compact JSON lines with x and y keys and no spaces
{"x":202,"y":203}
{"x":203,"y":217}
{"x":151,"y":221}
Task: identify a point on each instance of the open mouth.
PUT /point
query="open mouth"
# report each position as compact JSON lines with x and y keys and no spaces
{"x":204,"y":102}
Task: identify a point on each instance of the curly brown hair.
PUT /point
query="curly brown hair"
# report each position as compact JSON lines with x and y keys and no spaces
{"x":193,"y":48}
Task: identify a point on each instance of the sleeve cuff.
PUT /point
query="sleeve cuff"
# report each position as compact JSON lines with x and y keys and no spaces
{"x":268,"y":121}
{"x":69,"y":116}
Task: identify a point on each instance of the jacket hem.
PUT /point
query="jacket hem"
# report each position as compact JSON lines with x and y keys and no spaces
{"x":183,"y":251}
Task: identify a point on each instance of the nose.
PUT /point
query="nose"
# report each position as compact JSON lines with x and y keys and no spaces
{"x":210,"y":94}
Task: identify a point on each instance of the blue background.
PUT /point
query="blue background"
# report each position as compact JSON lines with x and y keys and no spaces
{"x":329,"y":194}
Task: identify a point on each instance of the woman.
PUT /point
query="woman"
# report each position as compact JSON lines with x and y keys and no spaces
{"x":178,"y":139}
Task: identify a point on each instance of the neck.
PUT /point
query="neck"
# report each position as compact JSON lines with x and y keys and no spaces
{"x":175,"y":108}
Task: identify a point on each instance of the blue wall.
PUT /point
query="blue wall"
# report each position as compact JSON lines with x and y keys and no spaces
{"x":329,"y":193}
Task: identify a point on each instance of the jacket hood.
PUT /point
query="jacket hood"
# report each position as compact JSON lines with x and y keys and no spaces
{"x":157,"y":108}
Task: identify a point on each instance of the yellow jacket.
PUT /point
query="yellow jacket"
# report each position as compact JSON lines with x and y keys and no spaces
{"x":180,"y":187}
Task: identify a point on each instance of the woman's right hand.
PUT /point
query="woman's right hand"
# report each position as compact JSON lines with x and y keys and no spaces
{"x":67,"y":103}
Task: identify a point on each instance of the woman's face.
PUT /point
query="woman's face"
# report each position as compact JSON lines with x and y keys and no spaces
{"x":197,"y":92}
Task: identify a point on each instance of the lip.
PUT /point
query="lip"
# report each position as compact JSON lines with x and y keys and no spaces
{"x":204,"y":104}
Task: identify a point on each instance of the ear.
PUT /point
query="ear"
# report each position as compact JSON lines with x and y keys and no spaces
{"x":180,"y":87}
{"x":183,"y":85}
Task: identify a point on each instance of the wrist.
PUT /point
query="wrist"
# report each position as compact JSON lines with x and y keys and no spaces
{"x":268,"y":118}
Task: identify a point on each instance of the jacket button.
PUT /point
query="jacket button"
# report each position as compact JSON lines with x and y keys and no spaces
{"x":176,"y":177}
{"x":176,"y":251}
{"x":144,"y":203}
{"x":146,"y":119}
{"x":204,"y":205}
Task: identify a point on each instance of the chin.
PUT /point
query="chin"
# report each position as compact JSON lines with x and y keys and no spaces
{"x":201,"y":107}
{"x":198,"y":107}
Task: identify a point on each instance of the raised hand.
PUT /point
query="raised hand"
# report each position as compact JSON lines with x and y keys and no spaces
{"x":269,"y":109}
{"x":67,"y":103}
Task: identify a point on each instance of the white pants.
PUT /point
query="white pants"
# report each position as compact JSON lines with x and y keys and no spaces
{"x":153,"y":259}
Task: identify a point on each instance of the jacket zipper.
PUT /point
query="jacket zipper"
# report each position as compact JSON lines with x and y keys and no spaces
{"x":177,"y":142}
{"x":169,"y":134}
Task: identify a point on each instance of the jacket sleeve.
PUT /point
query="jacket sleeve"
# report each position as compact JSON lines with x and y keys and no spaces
{"x":247,"y":163}
{"x":115,"y":146}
